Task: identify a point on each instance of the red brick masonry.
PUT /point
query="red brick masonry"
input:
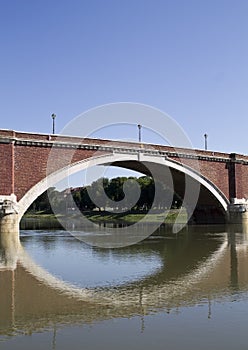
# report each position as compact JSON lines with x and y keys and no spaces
{"x":26,"y":158}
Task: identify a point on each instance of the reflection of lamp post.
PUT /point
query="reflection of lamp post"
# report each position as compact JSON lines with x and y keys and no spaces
{"x":139,"y":126}
{"x":53,"y":117}
{"x":206,"y":141}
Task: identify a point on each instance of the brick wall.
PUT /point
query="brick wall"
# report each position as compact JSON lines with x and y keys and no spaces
{"x":33,"y":164}
{"x":23,"y":165}
{"x":6,"y":169}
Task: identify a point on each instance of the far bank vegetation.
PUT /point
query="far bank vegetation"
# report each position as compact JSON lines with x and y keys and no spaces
{"x":120,"y":194}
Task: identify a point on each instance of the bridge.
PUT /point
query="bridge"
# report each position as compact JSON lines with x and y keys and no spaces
{"x":31,"y":162}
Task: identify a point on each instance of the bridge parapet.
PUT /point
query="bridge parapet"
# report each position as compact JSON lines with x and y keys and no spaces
{"x":63,"y":141}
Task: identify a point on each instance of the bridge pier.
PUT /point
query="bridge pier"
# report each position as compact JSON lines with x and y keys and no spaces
{"x":9,"y":222}
{"x":9,"y":241}
{"x":238,"y":212}
{"x":9,"y":219}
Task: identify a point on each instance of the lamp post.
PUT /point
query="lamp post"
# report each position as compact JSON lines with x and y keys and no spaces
{"x":206,"y":141}
{"x":53,"y":117}
{"x":139,"y":127}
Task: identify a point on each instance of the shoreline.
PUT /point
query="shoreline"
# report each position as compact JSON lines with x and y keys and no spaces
{"x":43,"y":221}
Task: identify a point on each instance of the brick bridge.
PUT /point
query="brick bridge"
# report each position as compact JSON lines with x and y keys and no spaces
{"x":30,"y":163}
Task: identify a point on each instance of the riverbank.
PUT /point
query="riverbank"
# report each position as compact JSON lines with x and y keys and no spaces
{"x":41,"y":220}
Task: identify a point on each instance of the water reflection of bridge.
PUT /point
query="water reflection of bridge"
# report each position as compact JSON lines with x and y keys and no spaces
{"x":32,"y":299}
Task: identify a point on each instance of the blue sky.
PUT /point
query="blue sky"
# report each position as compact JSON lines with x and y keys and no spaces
{"x":187,"y":58}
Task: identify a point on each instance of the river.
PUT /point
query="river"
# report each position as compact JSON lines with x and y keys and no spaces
{"x":170,"y":291}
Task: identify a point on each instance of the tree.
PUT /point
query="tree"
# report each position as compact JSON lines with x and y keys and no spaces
{"x":98,"y":192}
{"x":109,"y":192}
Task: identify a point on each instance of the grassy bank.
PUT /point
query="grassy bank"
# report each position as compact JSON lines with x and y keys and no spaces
{"x":130,"y":218}
{"x":41,"y":220}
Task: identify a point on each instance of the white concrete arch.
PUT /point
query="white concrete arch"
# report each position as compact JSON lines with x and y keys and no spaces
{"x":110,"y":158}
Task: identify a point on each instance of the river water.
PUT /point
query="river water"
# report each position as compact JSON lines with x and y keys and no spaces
{"x":170,"y":291}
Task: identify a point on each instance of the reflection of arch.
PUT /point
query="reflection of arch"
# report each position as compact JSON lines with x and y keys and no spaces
{"x":151,"y":294}
{"x":125,"y":160}
{"x":136,"y":299}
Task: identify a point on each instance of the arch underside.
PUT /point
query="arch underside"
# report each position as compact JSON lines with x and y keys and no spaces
{"x":210,"y":206}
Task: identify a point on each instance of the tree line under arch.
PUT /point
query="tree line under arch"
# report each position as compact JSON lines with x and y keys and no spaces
{"x":101,"y":194}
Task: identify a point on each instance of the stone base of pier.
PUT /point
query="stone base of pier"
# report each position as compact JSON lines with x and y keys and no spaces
{"x":238,"y":212}
{"x":9,"y":230}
